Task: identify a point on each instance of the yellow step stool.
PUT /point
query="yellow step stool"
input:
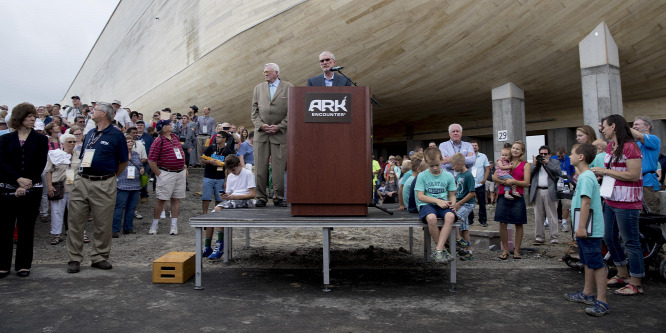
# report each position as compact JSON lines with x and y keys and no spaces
{"x":174,"y":267}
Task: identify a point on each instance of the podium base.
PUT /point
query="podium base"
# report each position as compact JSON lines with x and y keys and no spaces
{"x":301,"y":209}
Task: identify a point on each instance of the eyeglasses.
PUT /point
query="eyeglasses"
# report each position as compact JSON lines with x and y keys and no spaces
{"x":325,"y":60}
{"x":70,"y":141}
{"x":391,"y":173}
{"x":543,"y":154}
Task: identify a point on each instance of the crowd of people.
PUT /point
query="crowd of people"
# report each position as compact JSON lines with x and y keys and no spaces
{"x":93,"y":163}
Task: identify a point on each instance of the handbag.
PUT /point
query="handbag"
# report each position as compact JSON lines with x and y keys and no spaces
{"x":58,"y":190}
{"x":144,"y":179}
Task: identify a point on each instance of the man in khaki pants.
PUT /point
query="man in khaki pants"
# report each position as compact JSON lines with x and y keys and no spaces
{"x":269,"y":115}
{"x":103,"y":156}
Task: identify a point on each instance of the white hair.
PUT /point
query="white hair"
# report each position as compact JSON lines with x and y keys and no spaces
{"x":273,"y":65}
{"x":66,"y":137}
{"x":451,"y":126}
{"x":327,"y":52}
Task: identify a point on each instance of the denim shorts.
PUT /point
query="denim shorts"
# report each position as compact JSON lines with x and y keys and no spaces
{"x":440,"y":212}
{"x":212,"y":187}
{"x":463,"y":215}
{"x":589,"y":251}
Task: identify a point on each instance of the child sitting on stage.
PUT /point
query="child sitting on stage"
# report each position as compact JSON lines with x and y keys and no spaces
{"x":408,"y":194}
{"x":465,"y":203}
{"x":433,"y":187}
{"x":240,"y":185}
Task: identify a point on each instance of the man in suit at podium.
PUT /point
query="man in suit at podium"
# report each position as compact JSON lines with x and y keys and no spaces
{"x":269,"y":115}
{"x":328,"y":78}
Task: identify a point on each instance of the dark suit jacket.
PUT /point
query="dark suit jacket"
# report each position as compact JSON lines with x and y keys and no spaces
{"x":26,"y":161}
{"x":553,"y":171}
{"x":270,"y":111}
{"x":338,"y":80}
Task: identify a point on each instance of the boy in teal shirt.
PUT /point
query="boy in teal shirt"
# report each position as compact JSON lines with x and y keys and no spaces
{"x":408,"y":199}
{"x":433,"y":187}
{"x":587,"y":199}
{"x":465,"y":202}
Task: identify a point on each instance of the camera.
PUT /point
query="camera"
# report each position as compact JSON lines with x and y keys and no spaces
{"x":539,"y":158}
{"x":226,"y":128}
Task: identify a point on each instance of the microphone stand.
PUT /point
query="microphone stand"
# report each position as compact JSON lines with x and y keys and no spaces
{"x":373,"y":101}
{"x":356,"y":85}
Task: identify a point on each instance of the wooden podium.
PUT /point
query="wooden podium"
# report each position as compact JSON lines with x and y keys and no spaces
{"x":329,"y":151}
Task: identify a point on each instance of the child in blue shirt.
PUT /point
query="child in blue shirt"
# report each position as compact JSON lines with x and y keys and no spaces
{"x":465,"y":202}
{"x":587,"y":199}
{"x":408,"y":194}
{"x":433,"y":187}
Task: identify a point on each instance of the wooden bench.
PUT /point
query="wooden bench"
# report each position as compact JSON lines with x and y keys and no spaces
{"x":272,"y":217}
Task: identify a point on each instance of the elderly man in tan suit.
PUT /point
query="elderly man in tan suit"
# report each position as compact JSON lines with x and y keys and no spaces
{"x":269,"y":115}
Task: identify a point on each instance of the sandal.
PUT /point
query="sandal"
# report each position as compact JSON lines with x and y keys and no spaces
{"x":86,"y":239}
{"x":517,"y":257}
{"x":629,"y":290}
{"x":503,"y":256}
{"x":598,"y":309}
{"x":617,"y":282}
{"x":56,"y":240}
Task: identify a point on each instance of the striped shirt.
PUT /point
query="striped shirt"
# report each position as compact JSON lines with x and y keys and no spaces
{"x":163,"y":154}
{"x":626,"y":195}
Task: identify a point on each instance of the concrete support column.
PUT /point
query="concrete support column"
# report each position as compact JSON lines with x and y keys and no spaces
{"x":600,"y":76}
{"x":508,"y":116}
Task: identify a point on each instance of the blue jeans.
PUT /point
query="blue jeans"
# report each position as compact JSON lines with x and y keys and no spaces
{"x":125,"y":205}
{"x":624,"y":222}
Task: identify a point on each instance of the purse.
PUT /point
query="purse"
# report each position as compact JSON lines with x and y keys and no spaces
{"x":58,"y":190}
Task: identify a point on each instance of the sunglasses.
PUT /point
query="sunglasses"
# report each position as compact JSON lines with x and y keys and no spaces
{"x":324,"y":60}
{"x":70,"y":141}
{"x":543,"y":154}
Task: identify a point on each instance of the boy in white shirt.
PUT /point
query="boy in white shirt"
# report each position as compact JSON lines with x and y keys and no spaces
{"x":240,"y":185}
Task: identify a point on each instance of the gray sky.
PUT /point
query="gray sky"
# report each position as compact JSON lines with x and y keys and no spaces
{"x":43,"y":44}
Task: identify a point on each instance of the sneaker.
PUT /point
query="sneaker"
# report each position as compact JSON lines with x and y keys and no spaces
{"x":153,"y":229}
{"x":466,"y":256}
{"x":538,"y":241}
{"x":463,"y":243}
{"x":137,"y":215}
{"x":554,"y":241}
{"x":206,"y":251}
{"x":174,"y":229}
{"x":217,"y":252}
{"x":115,"y":234}
{"x":442,"y":256}
{"x":545,"y":224}
{"x":485,"y":225}
{"x":579,"y":297}
{"x":508,"y":196}
{"x":565,"y":227}
{"x":162,"y":215}
{"x":598,"y":309}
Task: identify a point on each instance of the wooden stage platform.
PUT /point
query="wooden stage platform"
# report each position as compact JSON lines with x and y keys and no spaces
{"x":273,"y":217}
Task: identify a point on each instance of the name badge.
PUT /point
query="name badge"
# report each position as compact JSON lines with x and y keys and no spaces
{"x":86,"y":162}
{"x":70,"y":177}
{"x":178,"y":154}
{"x":130,"y":171}
{"x":204,"y":129}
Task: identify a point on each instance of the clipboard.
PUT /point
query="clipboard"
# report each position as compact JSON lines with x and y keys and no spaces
{"x":576,"y":222}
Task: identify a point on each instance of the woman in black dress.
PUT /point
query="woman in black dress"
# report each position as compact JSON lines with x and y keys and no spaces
{"x":22,"y":159}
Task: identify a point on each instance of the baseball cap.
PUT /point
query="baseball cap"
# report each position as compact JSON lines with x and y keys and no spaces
{"x":115,"y":101}
{"x":167,"y":109}
{"x":75,"y":97}
{"x":160,"y":124}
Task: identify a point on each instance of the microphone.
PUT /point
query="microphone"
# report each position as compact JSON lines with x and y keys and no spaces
{"x":336,"y":69}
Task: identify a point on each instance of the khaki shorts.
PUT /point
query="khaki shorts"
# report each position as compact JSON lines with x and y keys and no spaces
{"x":171,"y":185}
{"x":491,"y":186}
{"x":651,"y":198}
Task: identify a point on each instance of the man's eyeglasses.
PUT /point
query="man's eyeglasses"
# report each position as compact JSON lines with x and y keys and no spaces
{"x":70,"y":141}
{"x":324,"y":60}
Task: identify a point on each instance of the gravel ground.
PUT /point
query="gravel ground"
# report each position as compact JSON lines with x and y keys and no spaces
{"x":292,"y":247}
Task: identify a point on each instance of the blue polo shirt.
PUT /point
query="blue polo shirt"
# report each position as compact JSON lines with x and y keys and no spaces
{"x":650,"y":151}
{"x":147,"y":141}
{"x":110,"y":150}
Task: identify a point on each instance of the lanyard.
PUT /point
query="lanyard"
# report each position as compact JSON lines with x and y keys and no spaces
{"x":94,"y":139}
{"x":454,"y":147}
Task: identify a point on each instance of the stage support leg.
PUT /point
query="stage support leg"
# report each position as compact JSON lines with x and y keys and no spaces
{"x":452,"y":267}
{"x":326,"y":246}
{"x":197,"y":265}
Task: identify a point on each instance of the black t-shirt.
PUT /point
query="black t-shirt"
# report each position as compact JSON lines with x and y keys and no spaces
{"x":210,"y":170}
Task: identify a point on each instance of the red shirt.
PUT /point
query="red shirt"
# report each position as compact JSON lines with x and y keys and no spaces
{"x":626,"y":195}
{"x":163,"y":154}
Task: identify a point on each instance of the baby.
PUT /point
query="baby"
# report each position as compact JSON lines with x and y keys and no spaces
{"x":503,"y":169}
